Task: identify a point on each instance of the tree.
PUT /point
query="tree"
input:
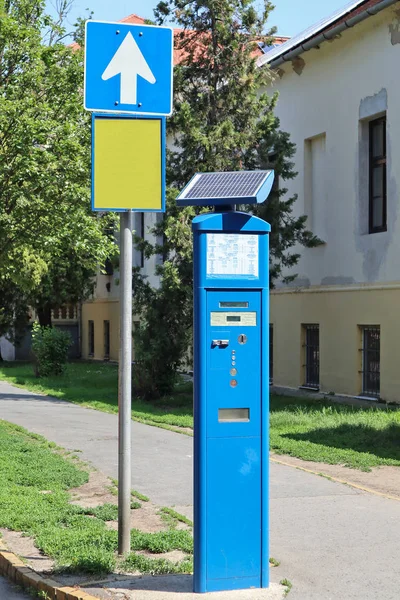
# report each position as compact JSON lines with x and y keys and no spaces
{"x":51,"y":244}
{"x":223,"y":121}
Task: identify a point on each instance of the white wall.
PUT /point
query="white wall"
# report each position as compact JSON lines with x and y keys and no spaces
{"x":325,"y":109}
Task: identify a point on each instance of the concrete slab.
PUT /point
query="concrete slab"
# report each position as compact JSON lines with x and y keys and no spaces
{"x":179,"y":587}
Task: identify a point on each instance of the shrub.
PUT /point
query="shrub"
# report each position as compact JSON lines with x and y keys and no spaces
{"x":50,"y":348}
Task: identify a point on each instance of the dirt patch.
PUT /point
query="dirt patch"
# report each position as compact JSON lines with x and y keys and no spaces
{"x":383,"y":480}
{"x":145,"y":518}
{"x":93,"y":493}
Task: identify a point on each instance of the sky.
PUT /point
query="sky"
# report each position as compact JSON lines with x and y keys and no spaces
{"x":289,"y":20}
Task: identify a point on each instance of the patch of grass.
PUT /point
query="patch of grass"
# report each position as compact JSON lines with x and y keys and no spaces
{"x":156,"y":566}
{"x":34,"y":480}
{"x":95,"y":385}
{"x":105,"y":512}
{"x":274,"y":562}
{"x":140,"y":496}
{"x":162,"y":541}
{"x":171,"y":517}
{"x":287,"y":584}
{"x":316,"y":430}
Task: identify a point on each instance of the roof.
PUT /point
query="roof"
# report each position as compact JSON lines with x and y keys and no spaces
{"x":179,"y":53}
{"x":344,"y":16}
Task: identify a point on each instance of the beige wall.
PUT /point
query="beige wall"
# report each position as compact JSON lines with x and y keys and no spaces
{"x":339,"y":312}
{"x":99,"y":311}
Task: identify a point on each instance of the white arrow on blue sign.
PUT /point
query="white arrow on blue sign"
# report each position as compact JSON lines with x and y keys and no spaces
{"x":128,"y":68}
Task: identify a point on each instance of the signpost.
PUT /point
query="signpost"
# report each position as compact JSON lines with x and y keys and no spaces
{"x":128,"y":87}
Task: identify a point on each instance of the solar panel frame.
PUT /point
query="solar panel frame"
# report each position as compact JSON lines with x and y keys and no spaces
{"x":227,"y":187}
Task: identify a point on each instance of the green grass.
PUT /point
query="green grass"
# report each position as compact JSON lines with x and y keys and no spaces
{"x":35,"y":477}
{"x":310,"y":429}
{"x":95,"y":385}
{"x":316,"y":430}
{"x":172,"y":518}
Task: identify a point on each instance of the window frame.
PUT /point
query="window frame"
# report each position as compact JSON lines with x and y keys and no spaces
{"x":373,"y":163}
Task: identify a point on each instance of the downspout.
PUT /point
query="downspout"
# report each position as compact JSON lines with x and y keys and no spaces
{"x":323,"y":37}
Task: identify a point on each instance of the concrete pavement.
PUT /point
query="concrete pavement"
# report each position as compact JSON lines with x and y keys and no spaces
{"x":334,"y":542}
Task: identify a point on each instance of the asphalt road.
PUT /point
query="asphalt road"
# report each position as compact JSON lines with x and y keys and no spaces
{"x":334,"y":542}
{"x":11,"y":592}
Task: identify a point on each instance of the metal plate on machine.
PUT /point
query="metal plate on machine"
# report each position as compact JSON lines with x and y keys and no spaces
{"x":232,"y":255}
{"x":235,"y":319}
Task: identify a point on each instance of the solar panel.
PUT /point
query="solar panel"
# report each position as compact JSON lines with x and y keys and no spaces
{"x":234,"y":187}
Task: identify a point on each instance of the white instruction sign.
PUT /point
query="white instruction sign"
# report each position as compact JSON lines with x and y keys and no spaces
{"x":232,"y":255}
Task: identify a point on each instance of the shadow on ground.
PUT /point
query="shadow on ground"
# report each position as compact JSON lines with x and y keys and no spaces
{"x":384,"y":442}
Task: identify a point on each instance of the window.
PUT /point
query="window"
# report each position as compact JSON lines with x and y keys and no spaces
{"x":271,"y":354}
{"x":371,"y":360}
{"x":106,"y":339}
{"x":315,"y":184}
{"x":91,"y":338}
{"x":377,"y":175}
{"x":311,"y":346}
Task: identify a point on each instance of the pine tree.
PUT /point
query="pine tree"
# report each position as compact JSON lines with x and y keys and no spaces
{"x":223,"y":121}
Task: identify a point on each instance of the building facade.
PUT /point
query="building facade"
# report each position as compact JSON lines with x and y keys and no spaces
{"x":336,"y":328}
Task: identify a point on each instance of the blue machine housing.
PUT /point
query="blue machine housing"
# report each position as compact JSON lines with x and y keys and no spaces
{"x":231,"y":407}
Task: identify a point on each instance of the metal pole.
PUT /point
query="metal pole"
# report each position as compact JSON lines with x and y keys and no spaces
{"x":124,"y":392}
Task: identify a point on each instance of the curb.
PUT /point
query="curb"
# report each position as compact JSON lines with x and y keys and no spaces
{"x":16,"y":571}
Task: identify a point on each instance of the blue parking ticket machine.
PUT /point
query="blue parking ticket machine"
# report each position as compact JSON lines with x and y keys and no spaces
{"x":231,"y":384}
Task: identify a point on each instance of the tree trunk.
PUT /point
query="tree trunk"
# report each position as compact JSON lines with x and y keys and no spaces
{"x":44,"y":314}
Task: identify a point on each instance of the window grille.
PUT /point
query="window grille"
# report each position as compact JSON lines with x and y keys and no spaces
{"x":371,"y":361}
{"x":311,"y":347}
{"x":106,"y":339}
{"x":91,"y":338}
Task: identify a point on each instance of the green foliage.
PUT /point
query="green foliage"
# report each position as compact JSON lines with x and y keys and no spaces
{"x":172,"y":517}
{"x":162,"y":541}
{"x":223,"y":121}
{"x":50,"y":241}
{"x":50,"y":347}
{"x":104,"y":512}
{"x":156,"y":566}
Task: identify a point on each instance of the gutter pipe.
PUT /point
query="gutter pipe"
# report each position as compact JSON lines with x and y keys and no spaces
{"x":323,"y":37}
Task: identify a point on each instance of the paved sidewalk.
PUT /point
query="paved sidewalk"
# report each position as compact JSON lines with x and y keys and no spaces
{"x":8,"y":591}
{"x":334,"y":542}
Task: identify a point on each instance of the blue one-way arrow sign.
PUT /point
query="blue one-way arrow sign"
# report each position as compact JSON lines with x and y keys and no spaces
{"x":128,"y":68}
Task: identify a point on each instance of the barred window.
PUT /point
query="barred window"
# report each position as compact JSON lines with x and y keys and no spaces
{"x":311,"y":351}
{"x":371,"y":360}
{"x":106,"y":339}
{"x":91,"y":338}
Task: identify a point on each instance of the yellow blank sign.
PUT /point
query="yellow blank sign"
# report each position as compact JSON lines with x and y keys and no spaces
{"x":127,"y":164}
